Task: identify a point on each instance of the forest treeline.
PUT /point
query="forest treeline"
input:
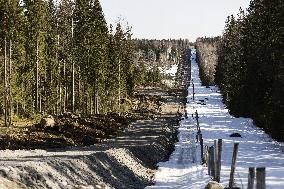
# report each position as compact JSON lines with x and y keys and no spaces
{"x":155,"y":56}
{"x":207,"y":58}
{"x":64,"y":57}
{"x":250,"y":69}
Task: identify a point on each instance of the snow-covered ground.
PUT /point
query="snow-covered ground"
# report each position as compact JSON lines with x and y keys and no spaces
{"x":169,"y":70}
{"x":256,"y":149}
{"x":172,"y":71}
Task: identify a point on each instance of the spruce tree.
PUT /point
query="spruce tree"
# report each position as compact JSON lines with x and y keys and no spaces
{"x":12,"y":39}
{"x":65,"y":51}
{"x":249,"y":71}
{"x":99,"y":57}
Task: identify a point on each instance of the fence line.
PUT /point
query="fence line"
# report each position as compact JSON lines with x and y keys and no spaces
{"x":211,"y":156}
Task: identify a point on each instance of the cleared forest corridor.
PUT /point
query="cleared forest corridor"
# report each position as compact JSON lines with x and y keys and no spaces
{"x":256,"y":149}
{"x":96,"y":94}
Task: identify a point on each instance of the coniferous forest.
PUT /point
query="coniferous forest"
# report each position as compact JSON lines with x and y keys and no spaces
{"x":250,"y":70}
{"x":65,"y":58}
{"x":60,"y":58}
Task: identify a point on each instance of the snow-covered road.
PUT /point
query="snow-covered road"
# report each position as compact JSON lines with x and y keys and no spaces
{"x":256,"y":149}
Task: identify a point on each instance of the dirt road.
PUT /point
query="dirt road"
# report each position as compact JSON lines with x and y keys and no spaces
{"x":128,"y":161}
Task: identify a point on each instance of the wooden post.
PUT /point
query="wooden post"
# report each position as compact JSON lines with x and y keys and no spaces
{"x":193,"y":92}
{"x":185,"y":114}
{"x":197,"y":122}
{"x":260,"y":178}
{"x":251,"y":176}
{"x":208,"y":161}
{"x":201,"y":147}
{"x":211,"y":161}
{"x":206,"y":154}
{"x":233,"y":166}
{"x":218,"y":172}
{"x":215,"y":159}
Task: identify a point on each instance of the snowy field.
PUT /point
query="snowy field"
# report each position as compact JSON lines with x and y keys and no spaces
{"x":256,"y":149}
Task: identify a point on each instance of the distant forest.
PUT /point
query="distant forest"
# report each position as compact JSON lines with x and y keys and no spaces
{"x":207,"y":58}
{"x":250,"y":69}
{"x":65,"y":58}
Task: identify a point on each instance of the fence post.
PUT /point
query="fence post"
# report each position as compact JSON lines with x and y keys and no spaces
{"x":251,"y":176}
{"x":197,"y":126}
{"x":219,"y":160}
{"x":211,"y":160}
{"x":233,"y":166}
{"x":260,"y":178}
{"x":193,"y":92}
{"x":215,"y":159}
{"x":197,"y":122}
{"x":201,"y":147}
{"x":208,"y":159}
{"x":206,"y":154}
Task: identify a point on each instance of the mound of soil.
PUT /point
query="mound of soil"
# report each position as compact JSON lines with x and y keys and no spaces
{"x":69,"y":130}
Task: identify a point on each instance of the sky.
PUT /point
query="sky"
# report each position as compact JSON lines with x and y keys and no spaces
{"x":164,"y":19}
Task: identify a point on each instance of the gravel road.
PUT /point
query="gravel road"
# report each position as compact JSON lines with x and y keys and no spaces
{"x":128,"y":161}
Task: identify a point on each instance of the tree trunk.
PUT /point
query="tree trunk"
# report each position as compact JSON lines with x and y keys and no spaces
{"x":10,"y":102}
{"x":5,"y":82}
{"x":95,"y":102}
{"x":40,"y":110}
{"x":17,"y":110}
{"x":119,"y":90}
{"x":37,"y":65}
{"x":91,"y":105}
{"x":23,"y":109}
{"x":59,"y":91}
{"x":96,"y":109}
{"x":64,"y":88}
{"x":45,"y":93}
{"x":79,"y":91}
{"x":86,"y":108}
{"x":58,"y":98}
{"x":73,"y":87}
{"x":73,"y":70}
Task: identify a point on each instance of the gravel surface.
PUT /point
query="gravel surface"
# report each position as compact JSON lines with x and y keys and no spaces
{"x":128,"y":161}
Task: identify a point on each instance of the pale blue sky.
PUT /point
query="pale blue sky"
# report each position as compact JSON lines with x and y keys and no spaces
{"x":173,"y":18}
